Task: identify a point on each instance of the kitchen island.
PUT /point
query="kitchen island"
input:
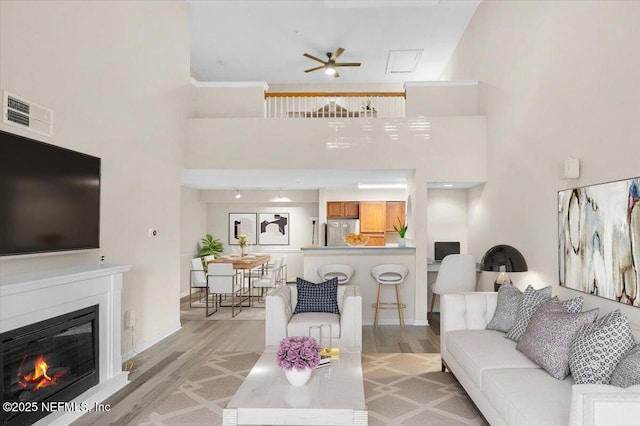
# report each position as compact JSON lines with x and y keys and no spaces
{"x":362,"y":260}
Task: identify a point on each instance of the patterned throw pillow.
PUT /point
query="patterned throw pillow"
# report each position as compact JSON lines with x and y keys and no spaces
{"x":599,"y":347}
{"x":531,"y":300}
{"x":547,"y":340}
{"x":322,"y":297}
{"x":506,"y":313}
{"x":627,"y":373}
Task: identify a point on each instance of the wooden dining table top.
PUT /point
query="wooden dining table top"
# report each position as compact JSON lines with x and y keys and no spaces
{"x":248,"y":261}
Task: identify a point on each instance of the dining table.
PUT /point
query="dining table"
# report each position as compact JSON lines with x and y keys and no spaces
{"x":245,"y":264}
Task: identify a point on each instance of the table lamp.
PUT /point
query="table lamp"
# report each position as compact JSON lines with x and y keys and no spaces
{"x":503,"y":258}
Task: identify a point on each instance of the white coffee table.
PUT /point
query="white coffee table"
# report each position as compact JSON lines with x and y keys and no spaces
{"x":333,"y":396}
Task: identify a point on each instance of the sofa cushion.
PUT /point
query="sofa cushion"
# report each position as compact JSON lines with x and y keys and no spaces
{"x":598,"y":347}
{"x":531,"y":300}
{"x":528,"y":397}
{"x":506,"y":312}
{"x":299,"y":323}
{"x":627,"y":372}
{"x":547,"y":340}
{"x":312,"y":297}
{"x":480,"y":350}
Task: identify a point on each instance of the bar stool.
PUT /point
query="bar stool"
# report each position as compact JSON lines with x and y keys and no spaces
{"x":336,"y":270}
{"x":389,"y":274}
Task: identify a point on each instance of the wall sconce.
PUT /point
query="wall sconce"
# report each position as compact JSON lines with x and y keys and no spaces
{"x":503,"y":259}
{"x":238,"y":194}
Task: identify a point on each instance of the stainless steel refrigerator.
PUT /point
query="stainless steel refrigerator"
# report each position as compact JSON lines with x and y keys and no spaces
{"x":337,"y":229}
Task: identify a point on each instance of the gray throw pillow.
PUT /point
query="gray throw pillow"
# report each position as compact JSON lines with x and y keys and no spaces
{"x":506,"y":309}
{"x":531,"y":300}
{"x":547,"y":340}
{"x":627,"y":372}
{"x":598,"y":348}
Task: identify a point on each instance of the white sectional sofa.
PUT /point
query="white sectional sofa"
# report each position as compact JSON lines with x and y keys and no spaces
{"x":280,"y":322}
{"x":508,"y":388}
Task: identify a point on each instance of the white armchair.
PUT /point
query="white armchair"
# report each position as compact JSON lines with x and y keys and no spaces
{"x":346,"y":328}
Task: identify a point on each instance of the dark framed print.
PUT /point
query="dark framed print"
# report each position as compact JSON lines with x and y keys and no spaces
{"x":273,"y":228}
{"x":242,"y":224}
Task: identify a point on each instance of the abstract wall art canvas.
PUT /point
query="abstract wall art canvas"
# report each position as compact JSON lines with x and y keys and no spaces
{"x":273,"y":228}
{"x":599,"y":240}
{"x":242,"y":224}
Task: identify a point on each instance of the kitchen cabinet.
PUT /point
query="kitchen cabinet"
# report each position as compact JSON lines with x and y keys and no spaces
{"x":343,"y":209}
{"x":395,"y":210}
{"x":375,"y":238}
{"x":373,"y":217}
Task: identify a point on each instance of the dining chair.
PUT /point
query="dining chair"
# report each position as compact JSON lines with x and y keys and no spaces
{"x":270,"y":280}
{"x":197,"y":280}
{"x":457,"y":274}
{"x":223,"y":279}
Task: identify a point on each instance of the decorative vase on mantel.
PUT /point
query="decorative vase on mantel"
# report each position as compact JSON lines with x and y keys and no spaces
{"x":298,"y":377}
{"x":402,"y":242}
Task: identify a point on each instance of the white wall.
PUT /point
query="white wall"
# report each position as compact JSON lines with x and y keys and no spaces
{"x":116,"y":75}
{"x":300,"y":227}
{"x":558,"y":80}
{"x":193,"y":227}
{"x":447,"y":218}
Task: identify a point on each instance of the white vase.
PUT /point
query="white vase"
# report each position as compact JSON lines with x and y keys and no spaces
{"x":402,"y":242}
{"x":298,"y":378}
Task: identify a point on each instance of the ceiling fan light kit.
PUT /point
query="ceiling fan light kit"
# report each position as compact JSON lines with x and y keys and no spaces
{"x":329,"y":66}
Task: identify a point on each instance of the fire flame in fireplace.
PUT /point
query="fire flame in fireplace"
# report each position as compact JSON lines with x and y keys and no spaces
{"x":39,"y":378}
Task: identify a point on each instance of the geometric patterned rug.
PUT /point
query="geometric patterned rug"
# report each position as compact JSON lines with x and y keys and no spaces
{"x":410,"y":389}
{"x":400,"y":389}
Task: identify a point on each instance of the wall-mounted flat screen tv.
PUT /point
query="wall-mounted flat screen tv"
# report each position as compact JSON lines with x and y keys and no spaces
{"x":49,"y":197}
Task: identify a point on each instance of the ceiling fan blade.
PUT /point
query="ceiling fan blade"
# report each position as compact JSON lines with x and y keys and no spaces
{"x":314,"y":58}
{"x":339,"y":51}
{"x":348,"y":64}
{"x":315,"y":69}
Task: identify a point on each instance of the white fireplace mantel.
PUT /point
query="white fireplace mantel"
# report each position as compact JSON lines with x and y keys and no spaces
{"x":35,"y":296}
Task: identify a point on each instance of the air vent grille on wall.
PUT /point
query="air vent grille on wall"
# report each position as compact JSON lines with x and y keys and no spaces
{"x":25,"y":114}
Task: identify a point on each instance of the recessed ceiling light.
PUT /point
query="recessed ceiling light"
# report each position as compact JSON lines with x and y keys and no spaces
{"x":238,"y":194}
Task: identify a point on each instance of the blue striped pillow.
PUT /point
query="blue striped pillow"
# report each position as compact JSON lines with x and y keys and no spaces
{"x":322,"y":297}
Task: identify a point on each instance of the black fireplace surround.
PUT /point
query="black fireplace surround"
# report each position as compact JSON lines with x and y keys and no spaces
{"x":46,"y":364}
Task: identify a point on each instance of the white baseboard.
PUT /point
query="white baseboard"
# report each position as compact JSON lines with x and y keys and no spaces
{"x":146,"y":345}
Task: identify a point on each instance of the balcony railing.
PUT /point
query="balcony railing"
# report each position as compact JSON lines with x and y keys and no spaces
{"x":335,"y":104}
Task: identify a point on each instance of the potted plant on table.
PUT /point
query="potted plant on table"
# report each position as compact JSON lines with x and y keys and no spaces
{"x":401,"y":229}
{"x":298,"y":356}
{"x":242,"y":242}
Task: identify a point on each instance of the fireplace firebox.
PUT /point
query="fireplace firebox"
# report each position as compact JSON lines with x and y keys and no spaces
{"x":47,"y":364}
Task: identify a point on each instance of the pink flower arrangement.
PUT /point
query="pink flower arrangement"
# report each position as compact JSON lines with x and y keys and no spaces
{"x":298,"y":352}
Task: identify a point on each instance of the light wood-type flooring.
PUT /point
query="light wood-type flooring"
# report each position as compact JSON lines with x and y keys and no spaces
{"x":156,"y":372}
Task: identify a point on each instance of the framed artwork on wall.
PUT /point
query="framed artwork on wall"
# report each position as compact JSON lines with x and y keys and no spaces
{"x":242,"y":223}
{"x":599,"y":240}
{"x":273,"y":228}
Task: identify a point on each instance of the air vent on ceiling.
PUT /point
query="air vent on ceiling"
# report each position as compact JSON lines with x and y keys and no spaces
{"x":25,"y":114}
{"x":402,"y":61}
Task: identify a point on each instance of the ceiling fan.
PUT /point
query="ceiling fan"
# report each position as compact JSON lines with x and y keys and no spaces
{"x":330,"y":65}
